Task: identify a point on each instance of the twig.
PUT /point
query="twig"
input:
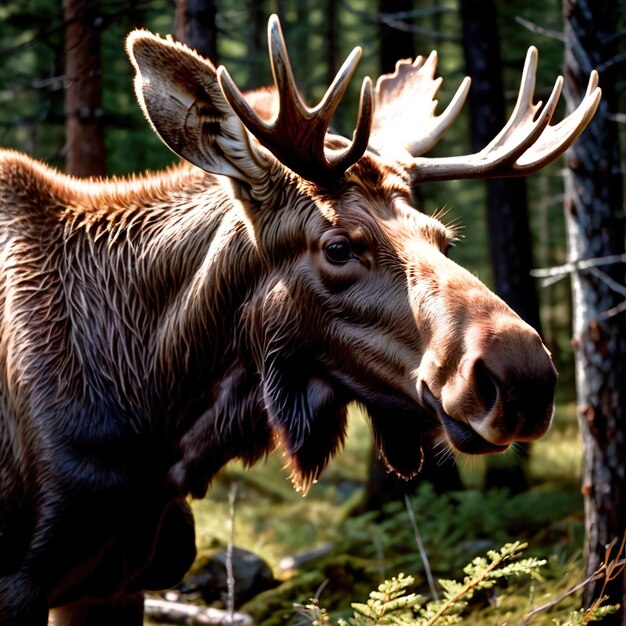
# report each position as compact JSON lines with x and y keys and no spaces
{"x":552,"y":275}
{"x":620,"y":118}
{"x":418,"y":30}
{"x":540,"y":30}
{"x":181,"y":613}
{"x":615,"y":60}
{"x":560,"y":271}
{"x":608,"y":570}
{"x":616,"y":310}
{"x":548,"y":605}
{"x":230,"y":577}
{"x":420,"y":547}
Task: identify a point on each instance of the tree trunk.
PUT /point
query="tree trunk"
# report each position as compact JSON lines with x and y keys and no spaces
{"x":594,"y":213}
{"x":332,"y":40}
{"x":85,"y":153}
{"x":196,"y":26}
{"x":396,"y":42}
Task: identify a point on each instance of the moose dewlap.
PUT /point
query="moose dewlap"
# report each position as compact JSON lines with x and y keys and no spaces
{"x":152,"y":329}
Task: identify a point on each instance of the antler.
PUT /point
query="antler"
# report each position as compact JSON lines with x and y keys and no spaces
{"x":297,"y":134}
{"x":405,"y":106}
{"x":526,"y":144}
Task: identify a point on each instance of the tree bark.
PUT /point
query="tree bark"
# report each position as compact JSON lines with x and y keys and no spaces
{"x":196,"y":26}
{"x":332,"y":40}
{"x":594,"y":213}
{"x":395,"y":42}
{"x":85,"y":152}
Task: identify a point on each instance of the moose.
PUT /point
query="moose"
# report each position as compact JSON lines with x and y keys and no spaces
{"x":154,"y":328}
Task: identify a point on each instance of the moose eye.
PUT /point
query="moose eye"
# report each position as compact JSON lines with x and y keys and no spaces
{"x":339,"y":251}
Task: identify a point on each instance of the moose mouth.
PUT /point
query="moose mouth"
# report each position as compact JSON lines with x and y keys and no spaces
{"x":462,"y":436}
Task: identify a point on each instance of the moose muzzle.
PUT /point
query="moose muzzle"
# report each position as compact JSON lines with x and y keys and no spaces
{"x":500,"y":391}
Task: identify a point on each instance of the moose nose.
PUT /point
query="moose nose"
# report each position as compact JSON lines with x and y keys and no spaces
{"x":503,"y":391}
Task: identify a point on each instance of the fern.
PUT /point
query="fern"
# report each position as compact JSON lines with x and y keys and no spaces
{"x":390,"y":604}
{"x":393,"y":604}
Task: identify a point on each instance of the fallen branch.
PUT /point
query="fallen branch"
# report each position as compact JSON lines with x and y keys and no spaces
{"x":190,"y":614}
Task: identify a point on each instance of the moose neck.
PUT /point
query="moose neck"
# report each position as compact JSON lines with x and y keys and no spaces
{"x":195,"y":270}
{"x":207,"y":277}
{"x":152,"y":289}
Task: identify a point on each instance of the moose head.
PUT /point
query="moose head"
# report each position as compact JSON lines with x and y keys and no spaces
{"x":349,"y":292}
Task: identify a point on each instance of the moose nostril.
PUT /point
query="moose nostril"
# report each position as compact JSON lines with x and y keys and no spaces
{"x":486,"y":386}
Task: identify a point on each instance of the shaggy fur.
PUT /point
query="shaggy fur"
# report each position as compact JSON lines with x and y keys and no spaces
{"x":153,"y":329}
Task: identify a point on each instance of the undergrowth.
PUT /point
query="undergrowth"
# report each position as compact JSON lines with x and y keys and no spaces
{"x":454,"y":528}
{"x":365,"y":550}
{"x":394,"y":604}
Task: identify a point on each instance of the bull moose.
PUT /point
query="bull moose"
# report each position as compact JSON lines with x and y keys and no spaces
{"x":156,"y":327}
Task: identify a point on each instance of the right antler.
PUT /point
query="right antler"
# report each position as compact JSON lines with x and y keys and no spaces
{"x":297,"y":134}
{"x":405,"y":106}
{"x":526,"y":144}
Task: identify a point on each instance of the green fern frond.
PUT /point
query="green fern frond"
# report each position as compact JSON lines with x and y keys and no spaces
{"x":389,"y":604}
{"x":393,"y":604}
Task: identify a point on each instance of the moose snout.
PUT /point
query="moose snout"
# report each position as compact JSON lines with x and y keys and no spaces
{"x":502,"y":392}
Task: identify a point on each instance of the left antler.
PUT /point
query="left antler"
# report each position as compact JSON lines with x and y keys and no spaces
{"x":526,"y":144}
{"x":297,"y":134}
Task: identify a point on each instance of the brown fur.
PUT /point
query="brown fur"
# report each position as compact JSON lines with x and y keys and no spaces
{"x":152,"y":329}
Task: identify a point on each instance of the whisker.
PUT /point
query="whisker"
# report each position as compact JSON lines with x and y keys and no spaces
{"x":444,"y":454}
{"x":454,"y":226}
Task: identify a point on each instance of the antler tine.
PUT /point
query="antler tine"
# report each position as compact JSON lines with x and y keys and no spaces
{"x":557,"y":139}
{"x":526,"y":143}
{"x":523,"y":127}
{"x":297,"y":134}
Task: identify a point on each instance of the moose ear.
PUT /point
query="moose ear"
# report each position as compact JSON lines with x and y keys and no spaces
{"x":181,"y":97}
{"x":308,"y":416}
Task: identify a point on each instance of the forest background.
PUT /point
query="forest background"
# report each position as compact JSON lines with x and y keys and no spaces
{"x":510,"y":228}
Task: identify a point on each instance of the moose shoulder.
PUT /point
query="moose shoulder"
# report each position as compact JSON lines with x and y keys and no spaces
{"x":152,"y":329}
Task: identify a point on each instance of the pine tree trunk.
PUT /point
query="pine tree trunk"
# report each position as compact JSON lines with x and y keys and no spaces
{"x":196,"y":26}
{"x":396,"y":42}
{"x":85,"y":153}
{"x":331,"y":36}
{"x":594,"y":213}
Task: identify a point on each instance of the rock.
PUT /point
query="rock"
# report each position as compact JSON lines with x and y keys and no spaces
{"x":251,"y":574}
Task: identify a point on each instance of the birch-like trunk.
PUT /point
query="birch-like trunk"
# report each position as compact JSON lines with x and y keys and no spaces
{"x":594,"y":213}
